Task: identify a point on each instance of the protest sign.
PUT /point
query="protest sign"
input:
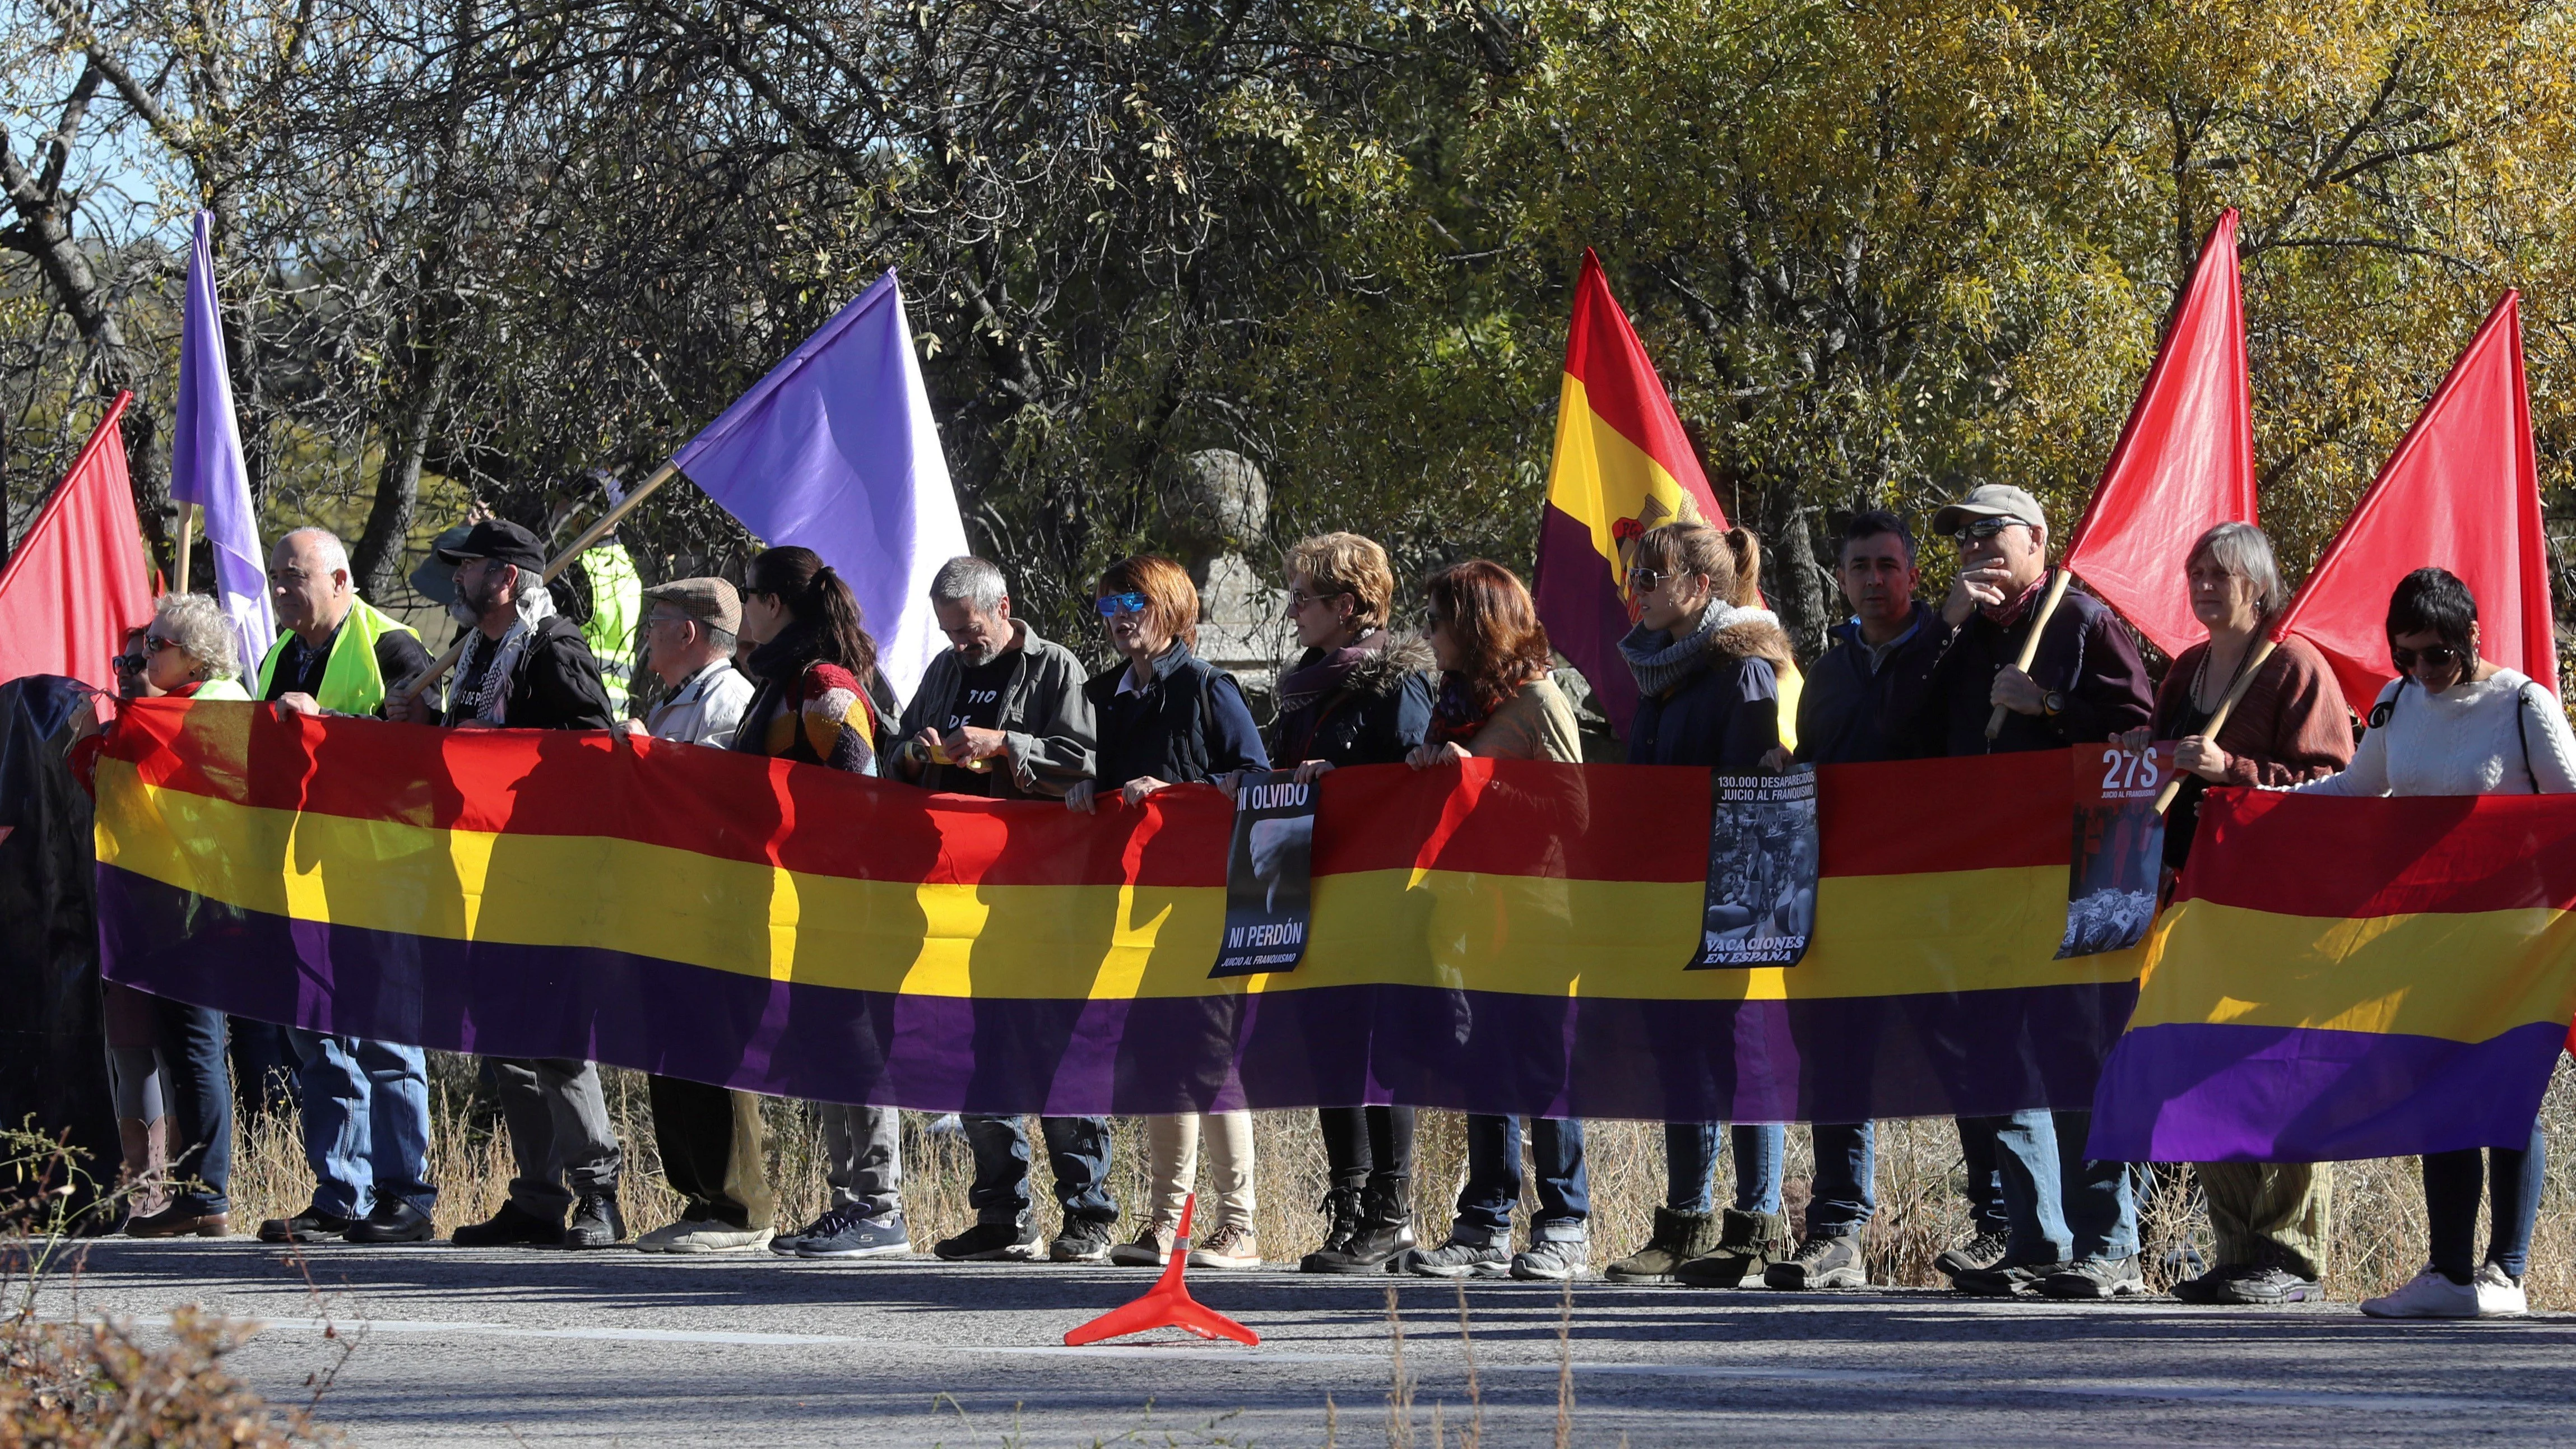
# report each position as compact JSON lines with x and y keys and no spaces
{"x":1761,"y":870}
{"x":1268,"y":875}
{"x":2119,"y":847}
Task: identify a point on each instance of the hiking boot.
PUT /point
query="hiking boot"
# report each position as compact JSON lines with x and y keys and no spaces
{"x":1830,"y":1261}
{"x":391,"y":1221}
{"x":1385,"y":1231}
{"x":180,"y":1222}
{"x":1747,"y":1245}
{"x":309,"y":1226}
{"x":1679,"y":1237}
{"x":842,"y":1233}
{"x":1985,"y":1250}
{"x":1456,"y":1259}
{"x":1342,"y":1219}
{"x":991,"y":1243}
{"x":1231,"y":1246}
{"x":2248,"y":1285}
{"x":1152,"y":1248}
{"x":1552,"y":1260}
{"x":511,"y":1227}
{"x":596,"y":1222}
{"x":2427,"y":1295}
{"x":2005,"y":1280}
{"x":1084,"y":1240}
{"x":2097,"y":1278}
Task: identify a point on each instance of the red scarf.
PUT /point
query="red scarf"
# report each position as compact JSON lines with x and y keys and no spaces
{"x":2009,"y":612}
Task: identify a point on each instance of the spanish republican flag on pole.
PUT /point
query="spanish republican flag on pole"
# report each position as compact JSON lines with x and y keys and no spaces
{"x":1622,"y":466}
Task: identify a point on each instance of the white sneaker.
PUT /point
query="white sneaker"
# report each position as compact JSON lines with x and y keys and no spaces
{"x":2499,"y":1296}
{"x":2429,"y":1295}
{"x":688,"y":1237}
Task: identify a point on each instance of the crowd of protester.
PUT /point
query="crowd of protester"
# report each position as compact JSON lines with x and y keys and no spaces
{"x":784,"y":667}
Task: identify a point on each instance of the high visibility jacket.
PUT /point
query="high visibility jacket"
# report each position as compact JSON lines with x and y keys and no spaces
{"x":352,"y":681}
{"x":616,"y":607}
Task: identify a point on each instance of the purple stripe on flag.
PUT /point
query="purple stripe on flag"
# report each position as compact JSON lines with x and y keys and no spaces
{"x":2204,"y":1092}
{"x":1579,"y":602}
{"x":1835,"y":1060}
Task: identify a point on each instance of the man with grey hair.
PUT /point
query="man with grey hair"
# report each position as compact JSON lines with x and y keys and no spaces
{"x":365,"y":1104}
{"x":1001,"y":712}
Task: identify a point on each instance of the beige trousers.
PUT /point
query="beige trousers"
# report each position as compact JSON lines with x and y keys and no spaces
{"x":1172,"y":1155}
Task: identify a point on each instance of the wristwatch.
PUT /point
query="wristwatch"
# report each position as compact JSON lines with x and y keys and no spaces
{"x":2053,"y":702}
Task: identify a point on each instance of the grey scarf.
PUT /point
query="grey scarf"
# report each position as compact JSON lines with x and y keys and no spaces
{"x":1661,"y":661}
{"x":487,"y":697}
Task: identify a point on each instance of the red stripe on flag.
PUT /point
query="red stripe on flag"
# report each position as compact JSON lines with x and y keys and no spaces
{"x":2449,"y":854}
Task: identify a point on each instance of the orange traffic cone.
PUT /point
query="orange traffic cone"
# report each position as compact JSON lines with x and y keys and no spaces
{"x":1167,"y":1304}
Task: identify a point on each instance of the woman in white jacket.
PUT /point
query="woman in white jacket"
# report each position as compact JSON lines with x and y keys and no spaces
{"x":2455,"y":724}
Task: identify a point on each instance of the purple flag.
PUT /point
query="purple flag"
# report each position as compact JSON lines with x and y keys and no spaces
{"x":835,"y":451}
{"x":206,"y":461}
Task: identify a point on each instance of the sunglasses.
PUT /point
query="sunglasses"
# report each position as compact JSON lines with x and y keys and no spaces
{"x":1113,"y":605}
{"x":1641,"y":578}
{"x":130,"y":663}
{"x":2440,"y":656}
{"x":1986,"y":528}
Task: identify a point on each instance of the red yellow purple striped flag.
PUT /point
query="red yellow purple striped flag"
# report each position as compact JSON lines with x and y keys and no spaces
{"x":2342,"y":979}
{"x":1505,"y":936}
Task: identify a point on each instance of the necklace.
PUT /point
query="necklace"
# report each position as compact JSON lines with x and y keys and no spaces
{"x":2200,"y":676}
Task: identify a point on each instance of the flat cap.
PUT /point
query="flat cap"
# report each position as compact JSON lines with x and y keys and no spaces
{"x":501,"y":540}
{"x":712,"y":602}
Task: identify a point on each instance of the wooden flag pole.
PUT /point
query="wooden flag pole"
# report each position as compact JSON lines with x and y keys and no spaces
{"x":593,"y":534}
{"x":2030,"y":646}
{"x":2218,"y":720}
{"x":187,"y":518}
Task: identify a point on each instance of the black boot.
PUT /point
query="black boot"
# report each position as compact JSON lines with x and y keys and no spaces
{"x":1342,"y":1210}
{"x":1385,"y":1231}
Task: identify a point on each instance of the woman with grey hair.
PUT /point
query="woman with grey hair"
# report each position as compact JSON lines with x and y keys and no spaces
{"x":188,"y":650}
{"x":2271,"y":1219}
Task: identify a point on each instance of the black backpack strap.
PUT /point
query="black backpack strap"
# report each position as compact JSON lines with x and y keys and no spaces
{"x":2522,"y":732}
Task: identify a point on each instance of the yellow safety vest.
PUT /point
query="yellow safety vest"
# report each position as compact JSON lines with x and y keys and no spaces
{"x":352,"y":682}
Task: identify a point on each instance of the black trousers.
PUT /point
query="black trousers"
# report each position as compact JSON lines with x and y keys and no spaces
{"x":1365,"y":1145}
{"x":694,"y":1127}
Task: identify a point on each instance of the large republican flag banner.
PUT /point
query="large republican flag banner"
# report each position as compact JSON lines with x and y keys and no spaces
{"x":1622,"y":465}
{"x":1507,"y":936}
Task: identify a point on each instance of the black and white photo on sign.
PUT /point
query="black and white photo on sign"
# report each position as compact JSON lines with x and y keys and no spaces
{"x":1268,"y":875}
{"x":2113,"y":872}
{"x":1762,"y":857}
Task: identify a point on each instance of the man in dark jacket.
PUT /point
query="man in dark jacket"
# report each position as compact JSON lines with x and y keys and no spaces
{"x":2074,"y":1222}
{"x":527,"y":667}
{"x":1843,"y":718}
{"x":1001,"y":712}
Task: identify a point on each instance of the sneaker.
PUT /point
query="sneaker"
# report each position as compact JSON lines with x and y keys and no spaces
{"x":1231,"y":1246}
{"x":2427,"y":1295}
{"x":180,"y":1222}
{"x":596,"y":1222}
{"x":2005,"y":1280}
{"x":1679,"y":1237}
{"x":392,"y":1221}
{"x":511,"y":1227}
{"x":1552,"y":1260}
{"x":2499,"y":1293}
{"x":1152,"y":1247}
{"x":309,"y":1226}
{"x":705,"y":1235}
{"x":2249,"y":1285}
{"x":841,"y":1233}
{"x":989,"y":1243}
{"x":1747,"y":1245}
{"x":1830,"y":1261}
{"x":1455,"y":1259}
{"x":2097,"y":1278}
{"x":1084,"y":1240}
{"x":1985,"y":1250}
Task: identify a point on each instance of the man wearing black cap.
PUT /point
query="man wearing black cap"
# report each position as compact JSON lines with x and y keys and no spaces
{"x":527,"y":667}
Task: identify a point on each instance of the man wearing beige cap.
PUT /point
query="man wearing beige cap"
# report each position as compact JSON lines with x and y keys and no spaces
{"x":709,"y":1137}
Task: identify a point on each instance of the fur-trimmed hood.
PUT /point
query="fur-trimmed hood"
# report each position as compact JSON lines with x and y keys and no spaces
{"x":1383,"y":672}
{"x":1758,"y":637}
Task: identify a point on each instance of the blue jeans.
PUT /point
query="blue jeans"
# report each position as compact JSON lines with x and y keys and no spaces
{"x":1690,"y":1166}
{"x":1494,"y":1181}
{"x":1077,"y":1151}
{"x":198,"y":1085}
{"x":1845,"y":1190}
{"x":1985,"y":1186}
{"x":366,"y":1122}
{"x":2510,"y":1178}
{"x":2064,"y":1206}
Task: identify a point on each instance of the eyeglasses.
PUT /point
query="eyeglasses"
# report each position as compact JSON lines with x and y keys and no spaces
{"x":1641,"y":578}
{"x":1113,"y":605}
{"x":2440,"y":656}
{"x":1986,"y":528}
{"x":1298,"y":599}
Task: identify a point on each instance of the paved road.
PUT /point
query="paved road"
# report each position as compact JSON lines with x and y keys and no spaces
{"x":527,"y":1347}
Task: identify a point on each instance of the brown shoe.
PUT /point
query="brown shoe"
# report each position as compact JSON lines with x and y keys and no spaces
{"x":1151,"y":1247}
{"x":179,"y":1222}
{"x":1231,"y":1246}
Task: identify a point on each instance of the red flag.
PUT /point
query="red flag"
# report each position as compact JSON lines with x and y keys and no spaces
{"x":2184,"y":462}
{"x":78,"y":581}
{"x":2461,"y":492}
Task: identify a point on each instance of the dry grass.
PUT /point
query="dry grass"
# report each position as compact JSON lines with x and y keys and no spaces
{"x":2379,"y":1226}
